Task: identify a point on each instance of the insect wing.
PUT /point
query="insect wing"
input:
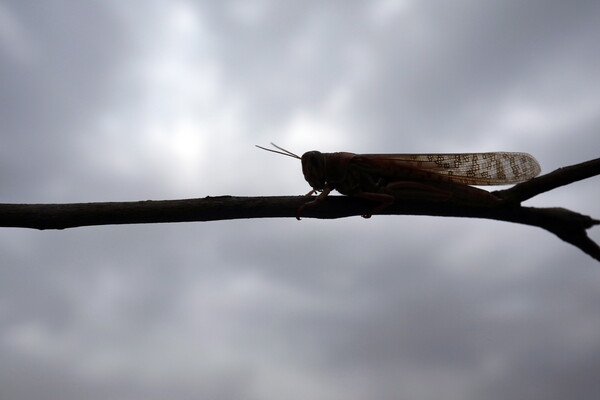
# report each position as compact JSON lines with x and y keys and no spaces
{"x":496,"y":168}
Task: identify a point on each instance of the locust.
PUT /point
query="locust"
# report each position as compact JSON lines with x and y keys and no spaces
{"x":385,"y":178}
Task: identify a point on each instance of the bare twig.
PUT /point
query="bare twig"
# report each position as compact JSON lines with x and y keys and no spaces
{"x":560,"y":177}
{"x":567,"y":225}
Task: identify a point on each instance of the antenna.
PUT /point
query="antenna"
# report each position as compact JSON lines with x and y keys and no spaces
{"x":283,"y":151}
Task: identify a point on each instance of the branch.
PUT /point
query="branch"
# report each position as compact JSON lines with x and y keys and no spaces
{"x":567,"y":225}
{"x":544,"y":183}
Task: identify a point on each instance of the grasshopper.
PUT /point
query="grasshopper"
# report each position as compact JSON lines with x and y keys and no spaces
{"x":384,"y":178}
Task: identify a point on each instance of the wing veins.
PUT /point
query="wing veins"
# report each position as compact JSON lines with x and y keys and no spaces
{"x":493,"y":168}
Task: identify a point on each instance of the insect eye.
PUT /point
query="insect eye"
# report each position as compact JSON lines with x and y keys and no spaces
{"x":313,"y":169}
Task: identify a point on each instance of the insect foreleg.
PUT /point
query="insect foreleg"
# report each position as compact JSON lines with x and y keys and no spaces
{"x":382,"y":198}
{"x":314,"y":202}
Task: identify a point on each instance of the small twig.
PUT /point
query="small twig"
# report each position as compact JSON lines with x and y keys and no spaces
{"x":544,"y":183}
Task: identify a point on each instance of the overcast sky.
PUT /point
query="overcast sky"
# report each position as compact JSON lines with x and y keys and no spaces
{"x":133,"y":100}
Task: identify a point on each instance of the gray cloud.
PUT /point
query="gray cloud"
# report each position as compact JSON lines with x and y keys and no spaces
{"x":105,"y":101}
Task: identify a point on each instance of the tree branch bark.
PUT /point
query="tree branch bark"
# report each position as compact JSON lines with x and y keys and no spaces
{"x":567,"y":225}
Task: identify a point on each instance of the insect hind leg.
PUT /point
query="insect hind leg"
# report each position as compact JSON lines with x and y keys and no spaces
{"x":404,"y":190}
{"x":417,"y":191}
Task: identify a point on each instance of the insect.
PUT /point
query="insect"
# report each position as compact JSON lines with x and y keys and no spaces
{"x":384,"y":178}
